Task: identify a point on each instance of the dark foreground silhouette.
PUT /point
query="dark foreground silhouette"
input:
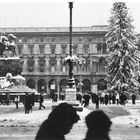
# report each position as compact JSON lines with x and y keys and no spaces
{"x":59,"y":123}
{"x":98,"y":124}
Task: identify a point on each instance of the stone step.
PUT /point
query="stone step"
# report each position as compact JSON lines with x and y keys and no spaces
{"x":76,"y":105}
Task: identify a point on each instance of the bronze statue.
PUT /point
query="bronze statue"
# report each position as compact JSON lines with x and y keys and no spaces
{"x":7,"y":42}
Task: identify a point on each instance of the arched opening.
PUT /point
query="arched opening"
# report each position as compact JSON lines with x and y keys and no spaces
{"x":102,"y":84}
{"x":41,"y":86}
{"x":53,"y":89}
{"x":53,"y":85}
{"x":31,"y":83}
{"x":63,"y":84}
{"x":86,"y":85}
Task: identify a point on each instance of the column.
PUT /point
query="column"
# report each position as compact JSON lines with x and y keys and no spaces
{"x":58,"y":64}
{"x":36,"y":49}
{"x":47,"y":65}
{"x":58,"y":90}
{"x":24,"y":67}
{"x":25,"y":49}
{"x":47,"y":49}
{"x":90,"y":65}
{"x":58,"y":49}
{"x":36,"y":65}
{"x":94,"y":48}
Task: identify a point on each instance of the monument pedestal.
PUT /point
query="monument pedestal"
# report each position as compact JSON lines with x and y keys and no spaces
{"x":70,"y":94}
{"x":70,"y":98}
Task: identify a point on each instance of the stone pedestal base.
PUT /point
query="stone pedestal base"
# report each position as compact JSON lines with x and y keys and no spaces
{"x":70,"y":94}
{"x":70,"y":98}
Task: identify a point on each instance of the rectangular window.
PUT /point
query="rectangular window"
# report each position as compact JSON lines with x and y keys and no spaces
{"x":19,"y":49}
{"x":52,"y":47}
{"x":53,"y":68}
{"x":31,"y":49}
{"x":64,"y":49}
{"x":41,"y":39}
{"x":41,"y":48}
{"x":104,"y":47}
{"x":75,"y":49}
{"x":86,"y":49}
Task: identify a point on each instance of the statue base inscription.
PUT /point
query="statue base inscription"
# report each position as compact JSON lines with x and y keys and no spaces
{"x":70,"y":94}
{"x":70,"y":98}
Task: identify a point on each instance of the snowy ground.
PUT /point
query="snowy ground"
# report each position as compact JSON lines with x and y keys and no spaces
{"x":16,"y":124}
{"x":133,"y":119}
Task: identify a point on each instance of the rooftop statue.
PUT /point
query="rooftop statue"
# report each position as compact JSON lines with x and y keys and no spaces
{"x":9,"y":61}
{"x":7,"y":42}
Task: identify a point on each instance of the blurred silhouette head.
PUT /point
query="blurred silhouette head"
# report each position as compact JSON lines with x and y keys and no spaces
{"x":98,"y":124}
{"x":59,"y":123}
{"x":63,"y":116}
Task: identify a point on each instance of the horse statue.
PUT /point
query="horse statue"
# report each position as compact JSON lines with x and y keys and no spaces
{"x":7,"y":42}
{"x":3,"y":44}
{"x":11,"y":44}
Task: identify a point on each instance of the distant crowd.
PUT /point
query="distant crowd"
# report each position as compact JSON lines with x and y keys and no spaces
{"x":103,"y":97}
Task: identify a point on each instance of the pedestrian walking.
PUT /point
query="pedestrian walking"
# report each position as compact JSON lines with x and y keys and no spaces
{"x":41,"y":100}
{"x":98,"y":124}
{"x":27,"y":103}
{"x":133,"y":97}
{"x":113,"y":98}
{"x":16,"y":100}
{"x":33,"y":99}
{"x":102,"y":97}
{"x":79,"y":96}
{"x":110,"y":98}
{"x":106,"y":98}
{"x":58,"y":124}
{"x":117,"y":98}
{"x":86,"y":98}
{"x":97,"y":101}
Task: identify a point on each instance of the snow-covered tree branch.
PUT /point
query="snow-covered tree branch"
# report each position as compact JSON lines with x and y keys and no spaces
{"x":122,"y":59}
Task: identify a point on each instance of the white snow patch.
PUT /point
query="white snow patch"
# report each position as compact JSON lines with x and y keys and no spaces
{"x":133,"y":119}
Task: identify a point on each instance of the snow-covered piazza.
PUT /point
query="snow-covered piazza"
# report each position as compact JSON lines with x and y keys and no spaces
{"x":14,"y":124}
{"x":77,"y":111}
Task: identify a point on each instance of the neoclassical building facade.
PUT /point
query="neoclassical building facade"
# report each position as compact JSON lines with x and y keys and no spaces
{"x":43,"y":50}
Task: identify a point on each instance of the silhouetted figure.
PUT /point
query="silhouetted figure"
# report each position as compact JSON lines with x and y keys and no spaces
{"x":97,"y":101}
{"x":27,"y":103}
{"x":33,"y":99}
{"x":133,"y":97}
{"x":98,"y":124}
{"x":41,"y":99}
{"x":58,"y":124}
{"x":53,"y":95}
{"x":86,"y":98}
{"x":102,"y":97}
{"x":113,"y":99}
{"x":106,"y":99}
{"x":123,"y":99}
{"x":79,"y":96}
{"x":93,"y":96}
{"x":109,"y":98}
{"x":117,"y":98}
{"x":16,"y":100}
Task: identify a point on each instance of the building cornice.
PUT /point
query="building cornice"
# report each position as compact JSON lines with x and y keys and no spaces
{"x":97,"y":28}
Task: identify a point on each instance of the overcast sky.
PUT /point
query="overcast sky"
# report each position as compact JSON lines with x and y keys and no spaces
{"x":44,"y":13}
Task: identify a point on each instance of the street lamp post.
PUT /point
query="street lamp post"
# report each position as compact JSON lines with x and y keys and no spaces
{"x":70,"y":60}
{"x":71,"y":81}
{"x":70,"y":28}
